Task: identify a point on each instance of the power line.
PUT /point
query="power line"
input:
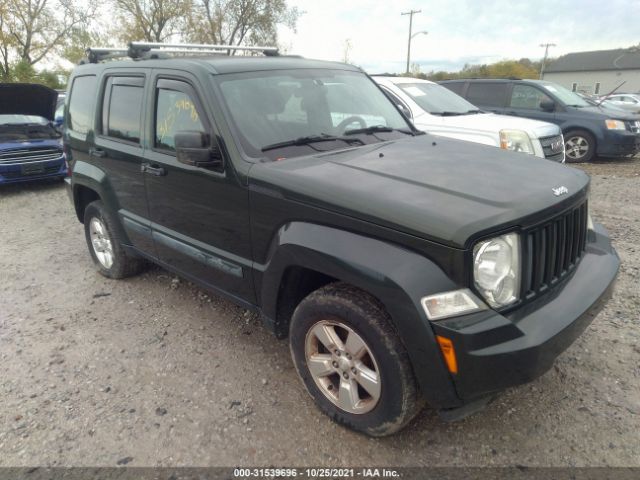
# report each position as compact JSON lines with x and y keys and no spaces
{"x":411,"y":13}
{"x":546,"y":54}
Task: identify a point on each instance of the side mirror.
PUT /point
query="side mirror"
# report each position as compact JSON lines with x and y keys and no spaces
{"x":195,"y":149}
{"x":405,"y":110}
{"x":548,"y":105}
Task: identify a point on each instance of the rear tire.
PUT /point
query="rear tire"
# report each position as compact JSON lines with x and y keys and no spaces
{"x":105,"y":243}
{"x":579,"y":146}
{"x":352,"y":361}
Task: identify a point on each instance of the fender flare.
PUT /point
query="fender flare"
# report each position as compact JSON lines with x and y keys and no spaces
{"x":396,"y":276}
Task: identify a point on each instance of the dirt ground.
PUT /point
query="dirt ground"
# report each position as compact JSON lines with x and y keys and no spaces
{"x":153,"y":371}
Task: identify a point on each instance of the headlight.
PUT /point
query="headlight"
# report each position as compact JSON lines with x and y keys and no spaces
{"x":496,"y":269}
{"x":516,"y":140}
{"x":615,"y":125}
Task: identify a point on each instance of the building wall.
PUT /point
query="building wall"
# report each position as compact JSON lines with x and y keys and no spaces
{"x":586,"y":81}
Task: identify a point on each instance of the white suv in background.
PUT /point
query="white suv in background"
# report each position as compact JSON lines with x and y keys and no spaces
{"x":437,"y":110}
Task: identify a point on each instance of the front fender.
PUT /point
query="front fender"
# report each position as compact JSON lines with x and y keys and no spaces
{"x":398,"y":277}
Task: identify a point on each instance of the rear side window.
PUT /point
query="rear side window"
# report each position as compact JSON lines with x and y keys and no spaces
{"x":487,"y":94}
{"x":82,"y":104}
{"x":122,"y":109}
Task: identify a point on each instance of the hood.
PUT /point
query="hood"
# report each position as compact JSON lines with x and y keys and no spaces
{"x":27,"y":99}
{"x":492,"y":123}
{"x":602,"y":112}
{"x":439,"y":189}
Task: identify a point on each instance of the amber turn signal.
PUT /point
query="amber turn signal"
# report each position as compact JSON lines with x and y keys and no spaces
{"x":449,"y":354}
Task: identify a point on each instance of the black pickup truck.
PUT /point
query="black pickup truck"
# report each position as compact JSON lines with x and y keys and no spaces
{"x":402,"y":267}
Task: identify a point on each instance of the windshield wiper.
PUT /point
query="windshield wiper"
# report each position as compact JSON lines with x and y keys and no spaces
{"x":448,"y":114}
{"x":378,"y":129}
{"x":475,"y":111}
{"x":323,"y":137}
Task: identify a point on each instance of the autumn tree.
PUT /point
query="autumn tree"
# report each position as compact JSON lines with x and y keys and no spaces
{"x":152,"y":20}
{"x":34,"y":30}
{"x":235,"y":22}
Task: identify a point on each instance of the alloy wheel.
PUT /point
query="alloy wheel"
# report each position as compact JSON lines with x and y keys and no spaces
{"x":101,"y":242}
{"x":343,"y":366}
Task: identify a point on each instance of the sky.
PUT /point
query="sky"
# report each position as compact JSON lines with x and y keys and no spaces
{"x":459,"y":32}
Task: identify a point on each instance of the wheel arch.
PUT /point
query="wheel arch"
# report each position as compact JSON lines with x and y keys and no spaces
{"x":311,"y":255}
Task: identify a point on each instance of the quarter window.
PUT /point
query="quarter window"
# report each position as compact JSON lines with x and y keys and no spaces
{"x":175,"y":112}
{"x":525,"y":96}
{"x":82,"y":104}
{"x":122,"y":110}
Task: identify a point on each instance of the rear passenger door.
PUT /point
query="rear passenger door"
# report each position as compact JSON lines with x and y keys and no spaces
{"x":200,"y":215}
{"x":119,"y":151}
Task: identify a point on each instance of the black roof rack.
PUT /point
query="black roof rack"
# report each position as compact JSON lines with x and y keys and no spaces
{"x":151,"y":50}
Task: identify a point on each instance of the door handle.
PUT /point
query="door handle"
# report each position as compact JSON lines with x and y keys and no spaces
{"x":97,"y":152}
{"x":153,"y":170}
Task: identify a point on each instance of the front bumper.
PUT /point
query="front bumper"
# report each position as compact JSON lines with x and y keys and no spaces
{"x":16,"y":173}
{"x":619,"y":144}
{"x":496,"y":351}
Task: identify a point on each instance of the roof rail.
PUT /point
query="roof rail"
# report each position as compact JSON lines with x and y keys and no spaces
{"x":148,"y":50}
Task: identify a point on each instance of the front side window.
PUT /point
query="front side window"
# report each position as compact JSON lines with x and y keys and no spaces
{"x":122,"y":115}
{"x":563,"y":94}
{"x":82,"y":104}
{"x":527,"y":97}
{"x":272,"y":107}
{"x":175,"y":112}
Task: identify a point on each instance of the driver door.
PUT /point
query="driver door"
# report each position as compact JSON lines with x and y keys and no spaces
{"x":199,"y":216}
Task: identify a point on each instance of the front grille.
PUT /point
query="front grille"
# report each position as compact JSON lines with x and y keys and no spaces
{"x":551,"y":251}
{"x":18,"y":157}
{"x":633,"y":126}
{"x":553,"y":148}
{"x":20,"y":174}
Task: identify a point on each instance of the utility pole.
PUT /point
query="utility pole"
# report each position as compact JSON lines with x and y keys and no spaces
{"x":411,"y":13}
{"x":546,"y":54}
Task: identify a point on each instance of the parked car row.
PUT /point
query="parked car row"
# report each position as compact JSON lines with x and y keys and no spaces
{"x":588,"y":129}
{"x":402,"y":267}
{"x":439,"y":111}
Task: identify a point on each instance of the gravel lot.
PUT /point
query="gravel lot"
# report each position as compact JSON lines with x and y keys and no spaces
{"x":153,"y":371}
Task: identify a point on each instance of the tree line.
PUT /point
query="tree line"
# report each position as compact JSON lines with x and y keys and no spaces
{"x":36,"y":34}
{"x":523,"y":68}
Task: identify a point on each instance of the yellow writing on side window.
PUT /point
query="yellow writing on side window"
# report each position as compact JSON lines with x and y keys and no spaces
{"x":166,"y":125}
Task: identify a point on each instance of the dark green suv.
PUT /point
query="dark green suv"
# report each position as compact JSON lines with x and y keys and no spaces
{"x":402,"y":267}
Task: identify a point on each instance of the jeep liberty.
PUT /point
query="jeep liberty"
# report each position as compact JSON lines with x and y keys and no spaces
{"x":404,"y":268}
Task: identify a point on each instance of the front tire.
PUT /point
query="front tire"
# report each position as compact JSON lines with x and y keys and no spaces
{"x":105,"y":244}
{"x":352,"y":362}
{"x":579,"y":146}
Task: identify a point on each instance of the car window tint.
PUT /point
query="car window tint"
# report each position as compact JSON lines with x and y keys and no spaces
{"x":455,"y":87}
{"x":489,"y":94}
{"x":175,"y":112}
{"x":525,"y":96}
{"x":123,"y":118}
{"x":82,"y":104}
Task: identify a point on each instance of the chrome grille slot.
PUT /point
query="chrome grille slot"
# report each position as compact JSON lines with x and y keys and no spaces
{"x":18,"y":157}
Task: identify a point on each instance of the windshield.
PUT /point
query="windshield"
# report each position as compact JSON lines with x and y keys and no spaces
{"x":288,"y":113}
{"x":436,"y":99}
{"x":22,"y":120}
{"x":566,"y":96}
